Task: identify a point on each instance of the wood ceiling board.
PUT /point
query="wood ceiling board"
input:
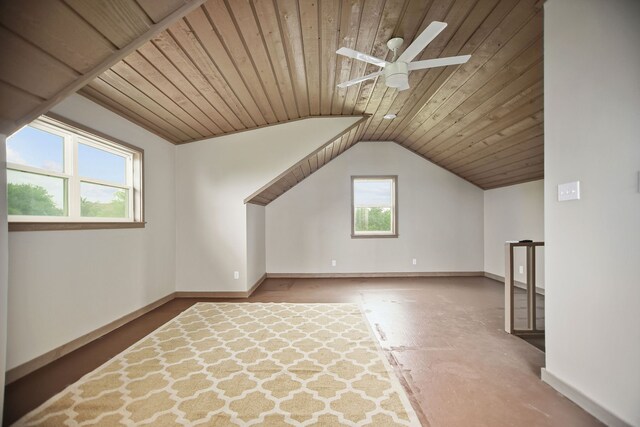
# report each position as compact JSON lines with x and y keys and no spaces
{"x":181,"y":130}
{"x":513,"y":174}
{"x":289,"y":23}
{"x":496,"y":154}
{"x":487,"y":26}
{"x":14,"y":104}
{"x":477,"y":120}
{"x":474,"y":151}
{"x":309,"y":16}
{"x":386,"y":28}
{"x":530,"y":158}
{"x":96,"y":96}
{"x":493,"y":32}
{"x":518,"y":119}
{"x":348,"y":35}
{"x":515,"y":180}
{"x":58,"y":30}
{"x":197,"y":41}
{"x":477,"y":105}
{"x":534,"y":152}
{"x":64,"y":49}
{"x":131,"y":76}
{"x":245,"y":64}
{"x":24,"y":65}
{"x":120,"y":21}
{"x":365,"y":42}
{"x":184,"y":67}
{"x":382,"y":97}
{"x":470,"y":34}
{"x":329,"y":21}
{"x":484,"y":83}
{"x":424,"y":83}
{"x":253,"y":42}
{"x":140,"y":65}
{"x":118,"y":101}
{"x":157,"y":10}
{"x":267,"y":17}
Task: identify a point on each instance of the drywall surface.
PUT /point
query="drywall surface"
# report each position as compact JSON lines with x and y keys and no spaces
{"x":592,"y":134}
{"x":64,"y":284}
{"x":514,"y":213}
{"x":256,"y":249}
{"x":4,"y":263}
{"x":439,"y":218}
{"x":214,"y":177}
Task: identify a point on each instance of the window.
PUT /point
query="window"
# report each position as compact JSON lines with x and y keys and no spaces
{"x":374,"y":206}
{"x":60,"y":174}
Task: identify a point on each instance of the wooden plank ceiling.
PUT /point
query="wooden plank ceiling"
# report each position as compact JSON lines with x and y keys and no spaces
{"x":231,"y":65}
{"x":235,"y":65}
{"x":51,"y":48}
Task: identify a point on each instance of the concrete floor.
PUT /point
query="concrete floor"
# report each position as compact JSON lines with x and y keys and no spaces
{"x":444,"y":336}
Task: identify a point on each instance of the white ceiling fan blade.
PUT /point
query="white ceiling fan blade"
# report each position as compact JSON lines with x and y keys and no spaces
{"x":429,"y":33}
{"x":360,"y":79}
{"x":345,"y":51}
{"x":438,"y":62}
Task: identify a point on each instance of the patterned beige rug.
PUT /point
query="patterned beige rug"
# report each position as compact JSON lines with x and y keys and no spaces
{"x":221,"y":364}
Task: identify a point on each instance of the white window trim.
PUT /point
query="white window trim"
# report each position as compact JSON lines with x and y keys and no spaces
{"x":73,"y":135}
{"x":394,"y":207}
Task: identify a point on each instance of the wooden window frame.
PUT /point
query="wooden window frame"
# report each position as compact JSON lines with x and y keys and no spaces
{"x":91,"y":137}
{"x":394,"y":215}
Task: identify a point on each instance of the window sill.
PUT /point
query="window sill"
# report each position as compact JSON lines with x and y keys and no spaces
{"x":374,"y":236}
{"x":48,"y":226}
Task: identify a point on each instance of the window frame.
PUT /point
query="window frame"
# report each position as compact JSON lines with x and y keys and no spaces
{"x":75,"y":134}
{"x":394,"y":210}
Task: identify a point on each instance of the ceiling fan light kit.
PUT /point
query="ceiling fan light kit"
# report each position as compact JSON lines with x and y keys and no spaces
{"x":396,"y":73}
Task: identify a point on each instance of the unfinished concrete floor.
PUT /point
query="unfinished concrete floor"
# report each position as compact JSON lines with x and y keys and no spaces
{"x":444,"y":335}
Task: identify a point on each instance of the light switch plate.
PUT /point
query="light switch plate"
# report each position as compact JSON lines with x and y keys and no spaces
{"x":569,"y":191}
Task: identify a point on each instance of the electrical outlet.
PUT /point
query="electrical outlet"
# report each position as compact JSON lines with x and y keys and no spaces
{"x":236,"y":275}
{"x":521,"y":269}
{"x":414,"y":261}
{"x":333,"y":263}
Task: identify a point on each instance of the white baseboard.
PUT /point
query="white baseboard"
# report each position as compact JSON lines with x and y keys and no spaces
{"x":583,"y":401}
{"x":374,"y":275}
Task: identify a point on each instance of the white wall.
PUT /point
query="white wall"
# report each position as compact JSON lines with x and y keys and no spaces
{"x":256,"y":247}
{"x":439,"y":218}
{"x":63,"y":284}
{"x":213,"y":179}
{"x":4,"y":264}
{"x":592,"y":134}
{"x":514,"y":213}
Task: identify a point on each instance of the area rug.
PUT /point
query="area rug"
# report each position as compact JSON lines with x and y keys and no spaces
{"x":222,"y":364}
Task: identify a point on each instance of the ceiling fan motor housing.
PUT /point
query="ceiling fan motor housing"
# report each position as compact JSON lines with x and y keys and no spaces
{"x":396,"y":74}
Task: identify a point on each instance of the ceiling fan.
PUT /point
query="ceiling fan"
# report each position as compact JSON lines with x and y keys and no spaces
{"x":396,"y":72}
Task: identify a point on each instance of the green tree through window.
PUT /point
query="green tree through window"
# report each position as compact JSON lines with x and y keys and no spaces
{"x":28,"y":199}
{"x":116,"y":208}
{"x":373,"y":219}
